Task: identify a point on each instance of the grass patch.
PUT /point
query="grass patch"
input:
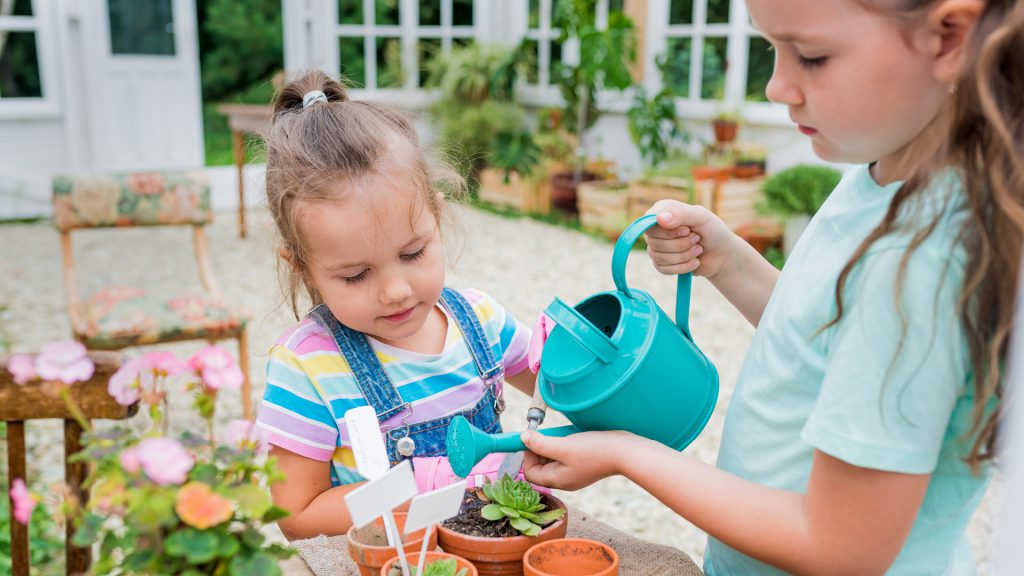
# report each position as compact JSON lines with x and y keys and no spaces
{"x":217,"y":136}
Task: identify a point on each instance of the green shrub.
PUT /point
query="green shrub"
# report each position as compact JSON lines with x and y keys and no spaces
{"x":46,"y":543}
{"x":798,"y":190}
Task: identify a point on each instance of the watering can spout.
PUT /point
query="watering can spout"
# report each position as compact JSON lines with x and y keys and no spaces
{"x":468,"y":445}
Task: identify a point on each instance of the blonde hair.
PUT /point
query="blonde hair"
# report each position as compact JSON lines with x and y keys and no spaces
{"x":312,"y":149}
{"x":985,"y":143}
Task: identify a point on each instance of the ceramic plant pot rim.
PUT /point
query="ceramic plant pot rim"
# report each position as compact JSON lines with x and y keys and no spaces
{"x":413,"y":558}
{"x":530,"y":570}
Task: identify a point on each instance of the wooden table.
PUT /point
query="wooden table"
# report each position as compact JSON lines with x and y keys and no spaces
{"x":244,"y":119}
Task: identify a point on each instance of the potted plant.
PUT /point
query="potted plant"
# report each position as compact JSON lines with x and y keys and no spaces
{"x":192,"y":504}
{"x":477,"y":101}
{"x":500,"y":522}
{"x":509,"y":180}
{"x":796,"y":194}
{"x":368,"y":546}
{"x":726,"y":124}
{"x":571,"y":557}
{"x":437,"y":564}
{"x":603,"y":63}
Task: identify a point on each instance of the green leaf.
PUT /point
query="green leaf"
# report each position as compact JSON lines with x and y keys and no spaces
{"x":252,"y":500}
{"x":274,"y":514}
{"x":525,"y":526}
{"x":257,"y":564}
{"x":196,"y":546}
{"x":227,"y":545}
{"x":88,"y":530}
{"x":548,"y":517}
{"x":492,"y":512}
{"x":510,"y":512}
{"x":205,"y":473}
{"x":139,"y":559}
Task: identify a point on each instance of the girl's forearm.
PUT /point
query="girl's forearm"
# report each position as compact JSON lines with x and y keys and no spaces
{"x":747,"y":282}
{"x":761,"y":522}
{"x":326,"y":514}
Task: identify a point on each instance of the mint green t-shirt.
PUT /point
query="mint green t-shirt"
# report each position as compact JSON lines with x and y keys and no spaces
{"x":872,"y":390}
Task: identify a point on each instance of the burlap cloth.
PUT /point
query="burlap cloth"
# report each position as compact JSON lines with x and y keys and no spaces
{"x":328,"y":556}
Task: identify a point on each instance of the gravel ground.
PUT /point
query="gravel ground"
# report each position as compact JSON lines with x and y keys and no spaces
{"x":521,"y":262}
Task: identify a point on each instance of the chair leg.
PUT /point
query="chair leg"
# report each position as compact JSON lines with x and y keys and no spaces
{"x":243,"y":364}
{"x":16,"y":469}
{"x":78,"y":559}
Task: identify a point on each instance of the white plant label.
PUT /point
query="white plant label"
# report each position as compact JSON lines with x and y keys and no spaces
{"x":433,"y":507}
{"x":367,"y":442}
{"x":371,"y":500}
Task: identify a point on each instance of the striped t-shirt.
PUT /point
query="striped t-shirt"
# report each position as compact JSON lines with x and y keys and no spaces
{"x":310,"y":385}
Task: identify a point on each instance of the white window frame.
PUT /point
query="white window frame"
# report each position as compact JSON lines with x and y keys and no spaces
{"x":40,"y":23}
{"x":409,"y":32}
{"x":738,"y":32}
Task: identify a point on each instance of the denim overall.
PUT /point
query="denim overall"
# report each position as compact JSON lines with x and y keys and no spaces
{"x":422,"y":439}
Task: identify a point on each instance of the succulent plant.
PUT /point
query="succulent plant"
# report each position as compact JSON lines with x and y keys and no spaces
{"x":518,"y":501}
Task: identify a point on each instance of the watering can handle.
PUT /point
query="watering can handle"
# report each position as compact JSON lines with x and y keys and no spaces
{"x":624,"y":245}
{"x":581,"y":330}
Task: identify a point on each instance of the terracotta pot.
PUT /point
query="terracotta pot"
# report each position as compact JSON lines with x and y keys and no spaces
{"x":571,"y":557}
{"x":501,"y":556}
{"x":414,"y":558}
{"x":725,"y":130}
{"x":370,"y":557}
{"x":563,"y":189}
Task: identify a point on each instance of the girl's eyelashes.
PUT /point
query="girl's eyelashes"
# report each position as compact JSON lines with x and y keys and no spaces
{"x":415,"y":255}
{"x":356,"y":278}
{"x":812,"y":62}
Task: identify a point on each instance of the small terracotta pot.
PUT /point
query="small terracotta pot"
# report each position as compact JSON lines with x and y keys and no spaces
{"x":725,"y":130}
{"x":501,"y":556}
{"x":414,"y":558}
{"x":369,"y":558}
{"x":571,"y":557}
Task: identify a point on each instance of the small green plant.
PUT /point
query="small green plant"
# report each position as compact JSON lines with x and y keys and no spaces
{"x":799,"y":190}
{"x":520,"y":503}
{"x":446,"y":567}
{"x":516,"y":151}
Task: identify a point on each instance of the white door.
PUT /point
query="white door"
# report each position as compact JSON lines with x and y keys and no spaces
{"x":143,"y":106}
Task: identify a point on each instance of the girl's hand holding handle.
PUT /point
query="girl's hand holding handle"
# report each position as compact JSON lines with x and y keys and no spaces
{"x":689,"y":238}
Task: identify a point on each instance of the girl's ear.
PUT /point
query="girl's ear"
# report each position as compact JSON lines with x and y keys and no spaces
{"x":286,"y":255}
{"x":951,"y":24}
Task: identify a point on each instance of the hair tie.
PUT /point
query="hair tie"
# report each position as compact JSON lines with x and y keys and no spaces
{"x":312,"y":97}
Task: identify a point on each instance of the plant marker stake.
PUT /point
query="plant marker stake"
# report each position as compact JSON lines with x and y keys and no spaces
{"x":391,"y":528}
{"x":367,"y":442}
{"x":429,"y":508}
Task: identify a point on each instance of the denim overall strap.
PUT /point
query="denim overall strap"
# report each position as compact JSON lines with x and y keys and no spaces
{"x":487,"y":366}
{"x":372,"y":379}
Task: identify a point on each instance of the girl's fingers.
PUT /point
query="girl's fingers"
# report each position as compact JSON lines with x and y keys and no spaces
{"x":662,"y":259}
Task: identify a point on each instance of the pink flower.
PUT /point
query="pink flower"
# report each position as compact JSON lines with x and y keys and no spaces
{"x":22,"y":368}
{"x":163,"y":460}
{"x":243,"y":434}
{"x":165,"y":363}
{"x":64,"y":361}
{"x":217,"y":368}
{"x":126,"y":384}
{"x":24,"y":501}
{"x":130,"y":460}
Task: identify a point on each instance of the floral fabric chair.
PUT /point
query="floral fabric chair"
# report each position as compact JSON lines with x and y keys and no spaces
{"x":122,"y":316}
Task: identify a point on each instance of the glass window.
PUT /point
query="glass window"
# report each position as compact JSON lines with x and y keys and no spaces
{"x":399,"y":51}
{"x":677,"y":69}
{"x":718,"y":12}
{"x":389,"y":63}
{"x":387,"y":13}
{"x":760,"y":63}
{"x":430,"y":13}
{"x":141,"y":27}
{"x":350,"y":11}
{"x":20,"y":75}
{"x":712,"y":86}
{"x":352,"y":56}
{"x":680,"y":12}
{"x":462,"y":13}
{"x":22,"y":8}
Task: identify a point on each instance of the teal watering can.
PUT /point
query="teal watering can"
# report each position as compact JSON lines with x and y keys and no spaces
{"x":614,"y":361}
